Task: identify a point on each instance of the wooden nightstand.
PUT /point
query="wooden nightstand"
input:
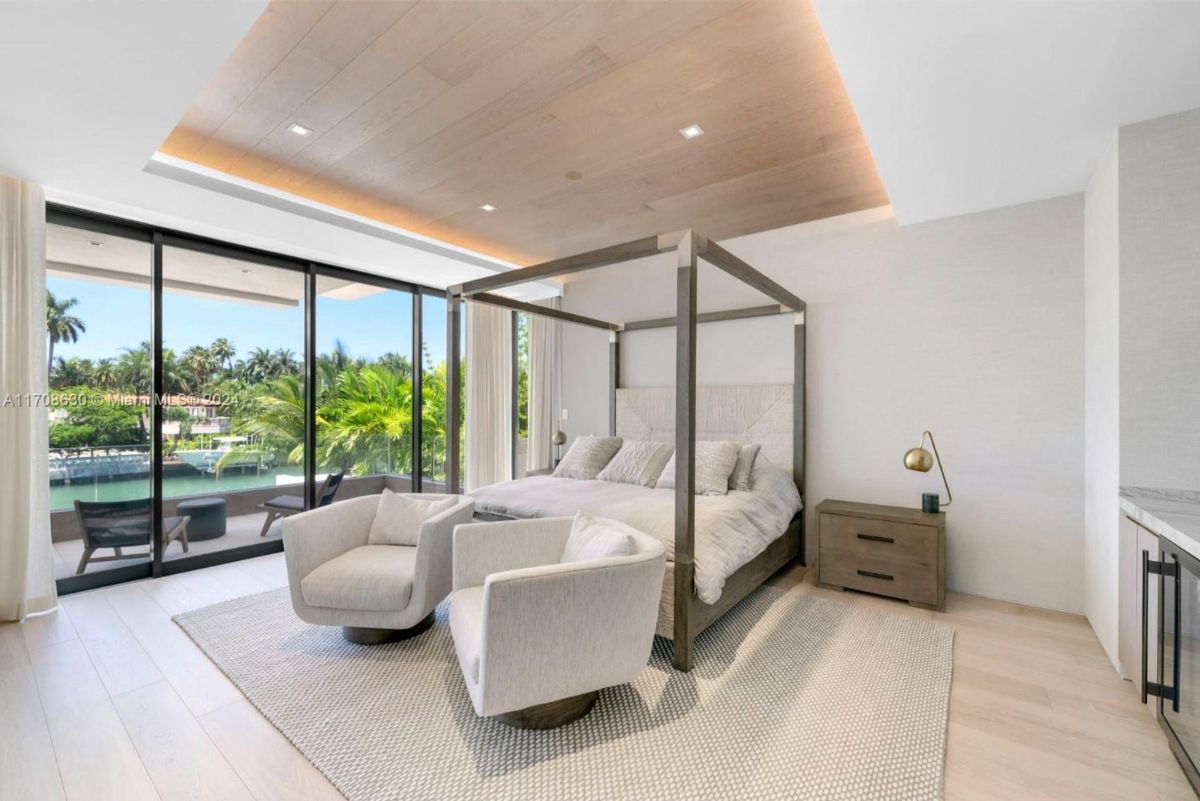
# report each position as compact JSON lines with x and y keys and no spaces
{"x":886,"y":550}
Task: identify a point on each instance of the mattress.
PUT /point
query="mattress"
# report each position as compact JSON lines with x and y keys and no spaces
{"x":730,"y":529}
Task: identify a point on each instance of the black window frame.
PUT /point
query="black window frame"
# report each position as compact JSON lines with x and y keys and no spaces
{"x":160,"y":237}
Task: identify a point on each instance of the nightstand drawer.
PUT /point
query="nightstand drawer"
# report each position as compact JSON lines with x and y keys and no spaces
{"x":879,"y":539}
{"x":886,"y":550}
{"x":913,"y":582}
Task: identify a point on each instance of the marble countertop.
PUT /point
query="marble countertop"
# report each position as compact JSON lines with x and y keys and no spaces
{"x":1174,"y":514}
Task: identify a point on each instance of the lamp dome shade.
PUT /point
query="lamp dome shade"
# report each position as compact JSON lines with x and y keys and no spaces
{"x":918,"y":459}
{"x":559,"y":438}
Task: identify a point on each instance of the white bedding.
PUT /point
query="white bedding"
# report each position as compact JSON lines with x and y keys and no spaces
{"x":730,"y":529}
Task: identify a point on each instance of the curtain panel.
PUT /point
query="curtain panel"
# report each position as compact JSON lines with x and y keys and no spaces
{"x":26,"y":558}
{"x":489,"y":384}
{"x":545,"y":390}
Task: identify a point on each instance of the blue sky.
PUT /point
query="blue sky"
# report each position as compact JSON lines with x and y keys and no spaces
{"x":118,"y":317}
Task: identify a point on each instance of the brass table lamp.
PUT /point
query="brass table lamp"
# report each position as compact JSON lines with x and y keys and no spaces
{"x":922,"y":460}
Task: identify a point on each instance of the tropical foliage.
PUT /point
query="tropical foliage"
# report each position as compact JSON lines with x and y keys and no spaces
{"x":60,"y":325}
{"x":363,"y":412}
{"x":94,"y":424}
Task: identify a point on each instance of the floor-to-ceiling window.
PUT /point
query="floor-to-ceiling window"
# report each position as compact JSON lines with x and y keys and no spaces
{"x":233,"y":402}
{"x":433,"y":392}
{"x":364,"y":390}
{"x":98,"y":304}
{"x":202,"y":380}
{"x":521,"y":375}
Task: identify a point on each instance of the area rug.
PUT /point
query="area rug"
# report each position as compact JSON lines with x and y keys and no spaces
{"x":793,"y":696}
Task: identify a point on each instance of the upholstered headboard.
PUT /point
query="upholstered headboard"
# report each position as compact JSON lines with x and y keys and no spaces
{"x":760,"y":413}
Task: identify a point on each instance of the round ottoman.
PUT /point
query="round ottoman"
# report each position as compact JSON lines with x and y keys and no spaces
{"x":207,"y":518}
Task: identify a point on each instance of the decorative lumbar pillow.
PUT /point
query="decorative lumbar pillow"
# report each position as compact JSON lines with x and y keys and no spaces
{"x":740,"y":479}
{"x":598,"y":538}
{"x":638,"y":462}
{"x":714,"y":464}
{"x":398,"y":518}
{"x":587,"y":456}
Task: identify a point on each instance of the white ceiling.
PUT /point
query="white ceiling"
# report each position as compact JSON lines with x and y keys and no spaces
{"x":107,"y":258}
{"x":974,"y":105}
{"x":89,"y":90}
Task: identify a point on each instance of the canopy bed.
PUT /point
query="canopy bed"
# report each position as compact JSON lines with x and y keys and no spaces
{"x":741,"y":539}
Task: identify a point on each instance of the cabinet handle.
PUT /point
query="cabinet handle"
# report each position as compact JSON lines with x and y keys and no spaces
{"x":1166,"y":570}
{"x":876,"y":538}
{"x":869,"y":574}
{"x":1178,"y":634}
{"x":1145,"y":622}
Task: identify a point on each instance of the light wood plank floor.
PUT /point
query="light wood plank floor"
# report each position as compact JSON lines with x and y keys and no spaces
{"x":107,"y":699}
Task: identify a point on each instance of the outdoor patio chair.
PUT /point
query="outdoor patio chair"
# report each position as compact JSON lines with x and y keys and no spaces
{"x":122,"y":524}
{"x":286,"y":505}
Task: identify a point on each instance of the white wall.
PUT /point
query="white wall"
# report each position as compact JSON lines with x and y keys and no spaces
{"x":1160,"y":302}
{"x":971,"y":326}
{"x":1102,"y":452}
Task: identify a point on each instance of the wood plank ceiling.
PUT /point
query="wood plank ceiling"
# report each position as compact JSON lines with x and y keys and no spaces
{"x":563,"y":115}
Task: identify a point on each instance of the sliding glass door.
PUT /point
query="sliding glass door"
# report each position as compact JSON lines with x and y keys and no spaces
{"x":364,"y":385}
{"x":206,"y":391}
{"x":98,"y":304}
{"x":233,"y":403}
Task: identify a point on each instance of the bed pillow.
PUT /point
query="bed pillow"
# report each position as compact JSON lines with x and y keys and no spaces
{"x":598,"y":538}
{"x":740,"y":479}
{"x":638,"y":462}
{"x":714,"y":465}
{"x":398,"y":518}
{"x":587,"y":456}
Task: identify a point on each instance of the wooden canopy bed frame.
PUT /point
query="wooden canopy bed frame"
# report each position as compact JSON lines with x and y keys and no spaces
{"x":690,"y":615}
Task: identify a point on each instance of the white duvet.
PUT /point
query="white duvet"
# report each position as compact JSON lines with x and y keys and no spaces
{"x":730,"y":529}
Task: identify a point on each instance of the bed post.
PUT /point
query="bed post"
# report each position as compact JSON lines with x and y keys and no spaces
{"x":799,"y":422}
{"x":453,"y":311}
{"x":685,"y":446}
{"x":614,"y":379}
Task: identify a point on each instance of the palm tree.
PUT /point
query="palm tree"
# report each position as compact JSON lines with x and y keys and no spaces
{"x":259,"y":366}
{"x":133,"y":368}
{"x":173,"y":378}
{"x":286,"y":362}
{"x":397,"y":363}
{"x":340,"y":355}
{"x":200,"y":364}
{"x":74,"y":372}
{"x":105,"y":373}
{"x":223,"y":351}
{"x":61,"y":326}
{"x":368,"y":423}
{"x":274,"y":424}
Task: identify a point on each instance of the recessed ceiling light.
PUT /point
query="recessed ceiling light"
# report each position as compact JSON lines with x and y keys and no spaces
{"x":95,"y":243}
{"x":488,"y":207}
{"x":692,"y":131}
{"x":299,"y":129}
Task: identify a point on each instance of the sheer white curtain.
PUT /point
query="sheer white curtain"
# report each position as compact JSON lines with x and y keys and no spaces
{"x":26,"y":561}
{"x":545,"y":376}
{"x":489,"y":395}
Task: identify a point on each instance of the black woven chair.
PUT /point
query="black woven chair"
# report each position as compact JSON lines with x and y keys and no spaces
{"x":122,"y":524}
{"x":286,"y":505}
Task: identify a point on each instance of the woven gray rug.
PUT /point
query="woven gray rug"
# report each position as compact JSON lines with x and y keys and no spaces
{"x":792,"y":696}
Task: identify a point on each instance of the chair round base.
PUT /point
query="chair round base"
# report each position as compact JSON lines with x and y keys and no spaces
{"x":361,"y":635}
{"x":551,"y":715}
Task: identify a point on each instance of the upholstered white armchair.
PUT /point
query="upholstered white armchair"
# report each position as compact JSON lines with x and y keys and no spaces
{"x":537,"y":637}
{"x":376,"y":592}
